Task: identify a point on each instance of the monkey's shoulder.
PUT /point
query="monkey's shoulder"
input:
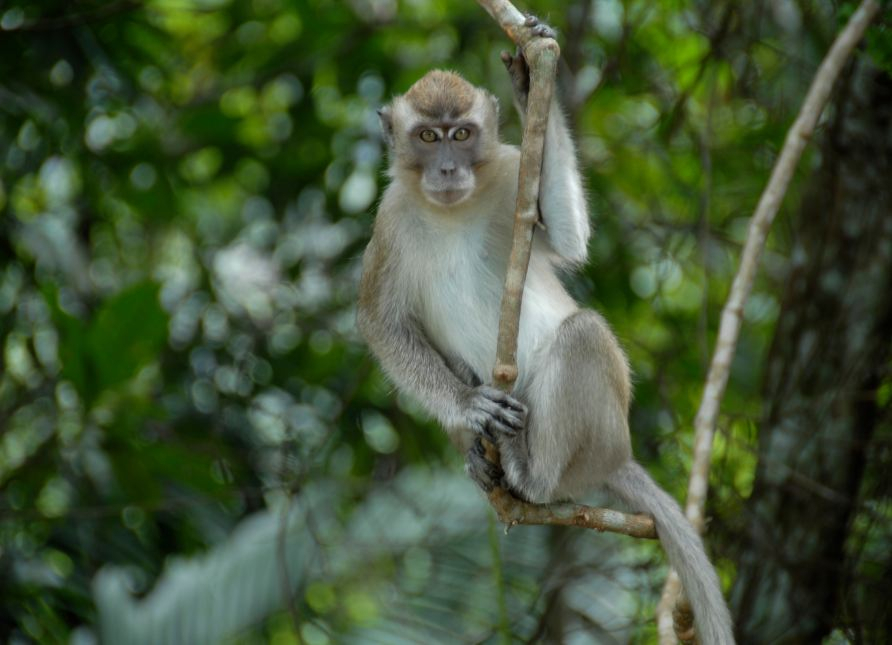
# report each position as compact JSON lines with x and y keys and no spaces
{"x":503,"y":167}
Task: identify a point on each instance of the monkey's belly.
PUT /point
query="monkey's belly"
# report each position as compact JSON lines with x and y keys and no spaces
{"x":462,"y":324}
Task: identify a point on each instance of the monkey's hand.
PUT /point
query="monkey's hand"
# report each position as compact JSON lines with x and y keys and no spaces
{"x":489,"y":412}
{"x":486,"y":474}
{"x":517,"y":66}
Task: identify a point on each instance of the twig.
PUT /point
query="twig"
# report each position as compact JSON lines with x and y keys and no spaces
{"x":542,"y":56}
{"x":732,"y":314}
{"x":514,"y":511}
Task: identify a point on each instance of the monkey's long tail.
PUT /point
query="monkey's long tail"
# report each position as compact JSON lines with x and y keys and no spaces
{"x":633,"y":486}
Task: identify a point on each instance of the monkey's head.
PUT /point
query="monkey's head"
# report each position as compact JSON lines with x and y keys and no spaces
{"x":439,"y":134}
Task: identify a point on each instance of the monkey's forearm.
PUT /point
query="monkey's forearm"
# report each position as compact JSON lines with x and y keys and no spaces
{"x":562,"y":198}
{"x":416,"y":367}
{"x":419,"y":369}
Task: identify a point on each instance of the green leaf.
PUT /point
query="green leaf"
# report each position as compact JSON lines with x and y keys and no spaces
{"x":128,"y":332}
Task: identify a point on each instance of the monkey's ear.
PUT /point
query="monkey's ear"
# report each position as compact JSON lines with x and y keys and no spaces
{"x":386,"y":117}
{"x":494,"y":103}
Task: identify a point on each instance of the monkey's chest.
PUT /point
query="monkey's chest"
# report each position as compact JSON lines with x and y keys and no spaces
{"x":461,"y":294}
{"x":460,"y":298}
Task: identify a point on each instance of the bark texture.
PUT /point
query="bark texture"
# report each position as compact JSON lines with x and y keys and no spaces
{"x":830,"y":352}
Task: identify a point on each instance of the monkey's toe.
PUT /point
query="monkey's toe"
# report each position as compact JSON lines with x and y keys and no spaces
{"x":485,"y":474}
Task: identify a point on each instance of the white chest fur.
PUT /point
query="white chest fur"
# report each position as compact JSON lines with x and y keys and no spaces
{"x":458,"y":291}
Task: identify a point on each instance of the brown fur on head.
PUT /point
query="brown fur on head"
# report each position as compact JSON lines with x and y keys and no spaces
{"x":440,"y":93}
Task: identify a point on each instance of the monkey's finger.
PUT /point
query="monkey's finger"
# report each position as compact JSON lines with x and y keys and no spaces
{"x":504,"y":426}
{"x":494,"y":425}
{"x":544,"y":31}
{"x":483,"y":429}
{"x":539,"y":28}
{"x":480,"y":451}
{"x":513,"y":404}
{"x":493,"y":472}
{"x":482,"y":471}
{"x":510,"y":419}
{"x":478,"y":474}
{"x":515,"y":63}
{"x":505,"y":400}
{"x":513,"y":421}
{"x":500,"y":410}
{"x":508,"y":415}
{"x":498,"y":396}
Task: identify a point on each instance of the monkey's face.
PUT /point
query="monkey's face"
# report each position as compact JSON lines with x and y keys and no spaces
{"x":439,"y":133}
{"x":445,"y":153}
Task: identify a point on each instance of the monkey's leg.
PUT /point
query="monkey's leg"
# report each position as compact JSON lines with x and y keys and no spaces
{"x":577,"y":429}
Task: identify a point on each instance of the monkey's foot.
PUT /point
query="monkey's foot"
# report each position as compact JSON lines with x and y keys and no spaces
{"x":486,"y":474}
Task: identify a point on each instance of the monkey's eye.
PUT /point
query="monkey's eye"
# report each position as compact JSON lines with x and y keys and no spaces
{"x":461,"y":134}
{"x":428,"y":136}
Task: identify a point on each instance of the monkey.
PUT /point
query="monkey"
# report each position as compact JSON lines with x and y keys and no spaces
{"x":429,"y":302}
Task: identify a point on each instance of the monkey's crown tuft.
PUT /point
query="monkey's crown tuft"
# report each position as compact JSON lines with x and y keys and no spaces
{"x":440,"y":93}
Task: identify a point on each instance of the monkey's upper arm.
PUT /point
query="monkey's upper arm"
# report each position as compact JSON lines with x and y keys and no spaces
{"x":386,"y":321}
{"x":367,"y":309}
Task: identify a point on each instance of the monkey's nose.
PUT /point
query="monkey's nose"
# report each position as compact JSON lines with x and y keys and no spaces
{"x":447,"y":169}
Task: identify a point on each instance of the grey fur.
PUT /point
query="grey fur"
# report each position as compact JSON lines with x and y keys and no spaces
{"x":429,"y":300}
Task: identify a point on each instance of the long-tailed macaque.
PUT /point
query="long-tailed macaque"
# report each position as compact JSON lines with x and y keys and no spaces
{"x":429,"y":301}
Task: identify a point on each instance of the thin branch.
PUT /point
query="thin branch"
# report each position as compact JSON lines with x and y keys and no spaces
{"x":514,"y":511}
{"x":732,"y":314}
{"x":542,"y":56}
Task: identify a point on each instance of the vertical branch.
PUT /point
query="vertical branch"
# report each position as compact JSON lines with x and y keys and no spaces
{"x":542,"y":56}
{"x":732,"y":314}
{"x":526,"y":213}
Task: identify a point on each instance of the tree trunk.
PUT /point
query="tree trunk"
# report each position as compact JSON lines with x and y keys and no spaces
{"x":830,"y":351}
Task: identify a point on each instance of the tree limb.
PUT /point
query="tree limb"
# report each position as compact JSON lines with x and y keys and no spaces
{"x":513,"y":511}
{"x":542,"y":56}
{"x":732,"y":314}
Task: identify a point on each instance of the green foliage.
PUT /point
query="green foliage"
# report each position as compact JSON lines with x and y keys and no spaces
{"x":127,"y":332}
{"x":185,"y":189}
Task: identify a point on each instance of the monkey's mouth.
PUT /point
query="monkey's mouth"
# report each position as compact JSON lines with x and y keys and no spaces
{"x":448,"y":197}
